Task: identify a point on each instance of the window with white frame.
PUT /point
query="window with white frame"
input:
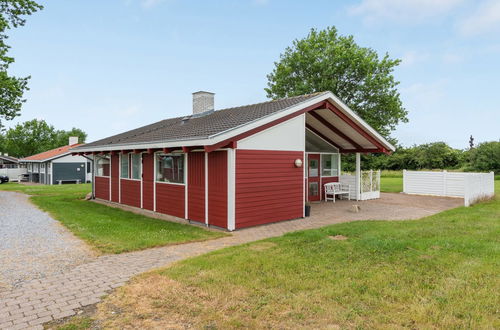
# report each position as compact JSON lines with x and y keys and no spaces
{"x":130,"y":165}
{"x":30,"y":167}
{"x":124,"y":166}
{"x":135,"y":161}
{"x":102,"y":166}
{"x":330,"y":164}
{"x":170,"y":168}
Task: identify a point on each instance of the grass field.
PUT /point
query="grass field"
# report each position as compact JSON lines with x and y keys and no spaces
{"x":436,"y":272}
{"x":391,"y":184}
{"x":108,"y":229}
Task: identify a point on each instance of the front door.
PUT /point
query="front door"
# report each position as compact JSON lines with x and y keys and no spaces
{"x":313,"y":179}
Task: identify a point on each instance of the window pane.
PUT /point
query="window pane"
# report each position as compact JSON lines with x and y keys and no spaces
{"x":170,"y":168}
{"x":102,"y":166}
{"x":326,"y":165}
{"x":136,"y":166}
{"x":124,"y":166}
{"x":313,"y":189}
{"x":330,"y":164}
{"x":313,"y":167}
{"x":335,"y":164}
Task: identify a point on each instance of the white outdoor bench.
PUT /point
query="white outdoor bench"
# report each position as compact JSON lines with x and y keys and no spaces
{"x":61,"y":181}
{"x":336,"y":188}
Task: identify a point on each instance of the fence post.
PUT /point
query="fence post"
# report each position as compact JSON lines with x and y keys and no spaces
{"x":445,"y":182}
{"x":404,"y":181}
{"x":371,"y":180}
{"x":467,"y":190}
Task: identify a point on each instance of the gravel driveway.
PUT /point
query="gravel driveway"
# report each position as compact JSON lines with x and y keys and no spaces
{"x":32,"y":244}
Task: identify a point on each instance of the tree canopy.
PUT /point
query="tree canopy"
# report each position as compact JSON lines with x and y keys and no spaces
{"x":12,"y":88}
{"x":327,"y":61}
{"x":35,"y":136}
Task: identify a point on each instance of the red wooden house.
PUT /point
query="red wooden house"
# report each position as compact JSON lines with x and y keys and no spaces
{"x":236,"y":167}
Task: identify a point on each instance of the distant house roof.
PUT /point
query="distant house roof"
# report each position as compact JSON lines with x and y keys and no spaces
{"x":214,"y":128}
{"x":50,"y":154}
{"x":9,"y":158}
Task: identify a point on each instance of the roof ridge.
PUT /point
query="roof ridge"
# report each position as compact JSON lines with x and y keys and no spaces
{"x":273,"y":100}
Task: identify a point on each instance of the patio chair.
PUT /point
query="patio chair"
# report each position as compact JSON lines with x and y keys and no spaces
{"x":336,"y":188}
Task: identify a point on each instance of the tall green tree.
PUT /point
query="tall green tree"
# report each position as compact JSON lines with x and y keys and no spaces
{"x":12,"y":13}
{"x":35,"y":136}
{"x":29,"y":138}
{"x":62,"y":136}
{"x":486,"y":157}
{"x":327,"y":61}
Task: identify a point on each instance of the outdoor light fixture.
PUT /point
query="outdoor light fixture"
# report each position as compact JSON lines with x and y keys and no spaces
{"x":298,"y":162}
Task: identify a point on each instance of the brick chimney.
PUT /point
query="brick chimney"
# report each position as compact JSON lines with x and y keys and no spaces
{"x":73,"y":140}
{"x":202,"y":102}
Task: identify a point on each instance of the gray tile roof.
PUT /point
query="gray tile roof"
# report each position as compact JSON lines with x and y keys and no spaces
{"x":192,"y":127}
{"x":9,"y":158}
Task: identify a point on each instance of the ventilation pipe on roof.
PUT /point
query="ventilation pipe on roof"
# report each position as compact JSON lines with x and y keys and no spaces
{"x":202,"y":102}
{"x":73,"y":140}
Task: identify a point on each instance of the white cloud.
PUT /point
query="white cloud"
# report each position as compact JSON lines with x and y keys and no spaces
{"x":413,"y":57}
{"x":403,"y":11}
{"x":485,"y":19}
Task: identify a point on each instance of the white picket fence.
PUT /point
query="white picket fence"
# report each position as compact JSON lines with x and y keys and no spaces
{"x":13,"y":173}
{"x":469,"y":186}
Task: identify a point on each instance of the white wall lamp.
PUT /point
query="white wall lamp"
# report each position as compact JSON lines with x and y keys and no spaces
{"x":298,"y":162}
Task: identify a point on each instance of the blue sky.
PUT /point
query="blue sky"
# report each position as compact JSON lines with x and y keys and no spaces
{"x":109,"y":66}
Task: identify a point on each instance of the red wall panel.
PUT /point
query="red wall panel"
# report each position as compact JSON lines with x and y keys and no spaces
{"x":327,"y":180}
{"x":147,"y":181}
{"x":196,"y":186}
{"x":131,"y":192}
{"x":101,"y":186}
{"x":115,"y":178}
{"x":217,"y":188}
{"x":269,"y":188}
{"x":170,"y":199}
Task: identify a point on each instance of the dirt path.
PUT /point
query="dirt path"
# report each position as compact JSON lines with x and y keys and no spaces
{"x":32,"y":244}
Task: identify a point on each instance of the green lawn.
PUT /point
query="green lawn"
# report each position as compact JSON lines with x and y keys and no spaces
{"x":390,"y":184}
{"x":108,"y":229}
{"x":436,"y":272}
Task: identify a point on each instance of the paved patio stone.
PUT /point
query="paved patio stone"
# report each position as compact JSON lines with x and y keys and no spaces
{"x":58,"y":296}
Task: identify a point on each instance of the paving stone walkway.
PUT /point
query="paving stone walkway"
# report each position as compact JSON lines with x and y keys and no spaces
{"x":58,"y":296}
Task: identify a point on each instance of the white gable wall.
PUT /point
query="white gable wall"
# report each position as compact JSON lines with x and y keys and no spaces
{"x":286,"y":136}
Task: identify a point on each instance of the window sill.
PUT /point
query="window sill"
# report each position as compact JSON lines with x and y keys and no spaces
{"x":173,"y":183}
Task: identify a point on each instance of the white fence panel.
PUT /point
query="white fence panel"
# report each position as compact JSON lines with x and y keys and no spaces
{"x":13,"y":173}
{"x":351,"y":181}
{"x":470,"y":186}
{"x":479,"y":185}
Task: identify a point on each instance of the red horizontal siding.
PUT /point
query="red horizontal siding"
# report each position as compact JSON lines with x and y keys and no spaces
{"x":269,"y":188}
{"x":148,"y":181}
{"x":327,"y":180}
{"x":130,"y":192}
{"x":115,"y":178}
{"x":170,"y":199}
{"x":101,"y":186}
{"x":217,"y":188}
{"x":196,"y":186}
